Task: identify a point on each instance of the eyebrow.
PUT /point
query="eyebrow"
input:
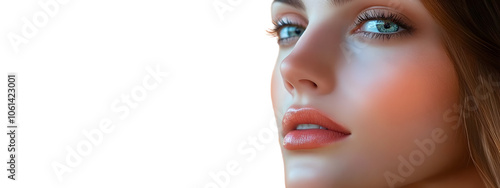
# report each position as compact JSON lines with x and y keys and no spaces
{"x":300,"y":5}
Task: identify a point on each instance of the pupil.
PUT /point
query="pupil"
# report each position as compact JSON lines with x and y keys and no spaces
{"x":297,"y":31}
{"x":387,"y":25}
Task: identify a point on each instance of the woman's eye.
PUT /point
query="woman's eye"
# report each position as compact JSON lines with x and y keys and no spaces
{"x":288,"y":32}
{"x":381,"y":26}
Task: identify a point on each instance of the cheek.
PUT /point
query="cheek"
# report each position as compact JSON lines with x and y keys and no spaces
{"x":277,"y":90}
{"x":279,"y":95}
{"x":399,"y":88}
{"x":397,"y":99}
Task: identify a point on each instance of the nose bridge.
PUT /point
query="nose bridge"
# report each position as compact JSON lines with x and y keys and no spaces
{"x":321,"y":40}
{"x":310,"y":65}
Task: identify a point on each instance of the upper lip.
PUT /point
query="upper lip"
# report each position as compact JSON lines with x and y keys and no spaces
{"x":307,"y":115}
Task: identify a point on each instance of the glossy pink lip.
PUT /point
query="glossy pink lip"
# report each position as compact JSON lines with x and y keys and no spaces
{"x":294,"y":139}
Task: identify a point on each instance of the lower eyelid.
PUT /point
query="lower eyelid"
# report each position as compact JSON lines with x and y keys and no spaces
{"x":287,"y":41}
{"x":381,"y":36}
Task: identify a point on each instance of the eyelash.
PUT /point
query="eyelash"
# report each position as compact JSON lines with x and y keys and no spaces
{"x":362,"y":18}
{"x":379,"y":15}
{"x":280,"y":24}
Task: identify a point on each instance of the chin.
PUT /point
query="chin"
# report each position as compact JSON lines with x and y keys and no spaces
{"x":301,"y":180}
{"x":323,"y":168}
{"x":311,"y":171}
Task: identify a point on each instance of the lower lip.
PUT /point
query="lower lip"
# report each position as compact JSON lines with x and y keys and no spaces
{"x":311,"y":139}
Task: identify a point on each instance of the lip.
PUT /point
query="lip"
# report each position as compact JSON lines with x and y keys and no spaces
{"x":294,"y":139}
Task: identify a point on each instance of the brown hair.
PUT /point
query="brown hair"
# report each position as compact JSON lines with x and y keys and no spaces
{"x":471,"y":36}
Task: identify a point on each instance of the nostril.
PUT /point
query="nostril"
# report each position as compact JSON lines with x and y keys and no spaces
{"x":308,"y":83}
{"x":289,"y":86}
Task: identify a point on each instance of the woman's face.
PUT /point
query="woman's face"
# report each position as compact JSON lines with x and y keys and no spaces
{"x":376,"y":78}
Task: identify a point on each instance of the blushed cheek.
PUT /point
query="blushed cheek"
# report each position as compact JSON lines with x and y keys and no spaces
{"x":403,"y":99}
{"x":394,"y":86}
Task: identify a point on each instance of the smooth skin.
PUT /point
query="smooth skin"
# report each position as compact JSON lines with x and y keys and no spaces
{"x":388,"y":92}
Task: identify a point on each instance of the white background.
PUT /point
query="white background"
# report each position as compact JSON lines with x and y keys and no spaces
{"x":91,"y":52}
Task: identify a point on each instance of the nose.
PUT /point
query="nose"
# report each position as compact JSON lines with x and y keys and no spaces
{"x":310,"y":65}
